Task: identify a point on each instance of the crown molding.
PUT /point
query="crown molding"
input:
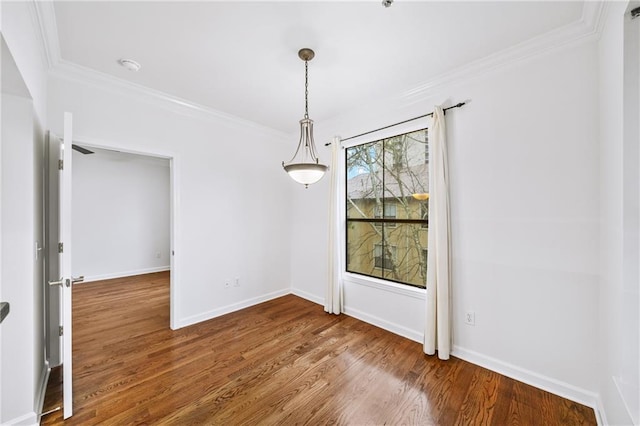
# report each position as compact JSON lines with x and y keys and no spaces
{"x":39,"y":31}
{"x":70,"y":71}
{"x":588,"y":28}
{"x":593,"y":16}
{"x":45,"y":18}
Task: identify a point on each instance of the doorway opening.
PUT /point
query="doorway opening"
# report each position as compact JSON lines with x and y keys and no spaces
{"x":141,"y":170}
{"x":124,"y":215}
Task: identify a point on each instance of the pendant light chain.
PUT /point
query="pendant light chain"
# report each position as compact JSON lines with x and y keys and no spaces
{"x":305,"y":167}
{"x":306,"y":89}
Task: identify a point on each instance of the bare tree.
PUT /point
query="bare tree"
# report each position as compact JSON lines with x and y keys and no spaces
{"x":388,"y":173}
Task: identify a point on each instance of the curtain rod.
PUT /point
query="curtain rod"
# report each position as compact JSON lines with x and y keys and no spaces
{"x":458,"y":105}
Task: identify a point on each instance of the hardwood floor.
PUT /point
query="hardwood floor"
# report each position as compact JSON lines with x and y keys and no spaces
{"x":281,"y":362}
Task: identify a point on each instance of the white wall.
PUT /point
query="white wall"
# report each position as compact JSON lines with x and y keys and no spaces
{"x":18,"y":342}
{"x":618,"y":194}
{"x":22,"y":34}
{"x":628,"y":377}
{"x":120,"y":214}
{"x":233,"y":200}
{"x":524,"y":179}
{"x":22,"y":380}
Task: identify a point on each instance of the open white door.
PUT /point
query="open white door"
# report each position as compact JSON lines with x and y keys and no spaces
{"x":65,"y":265}
{"x":60,"y":153}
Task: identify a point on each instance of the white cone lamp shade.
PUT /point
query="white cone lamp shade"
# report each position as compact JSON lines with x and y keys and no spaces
{"x":304,"y":167}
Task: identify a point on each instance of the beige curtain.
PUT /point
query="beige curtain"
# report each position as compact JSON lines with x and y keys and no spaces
{"x":437,"y":331}
{"x":333,"y":297}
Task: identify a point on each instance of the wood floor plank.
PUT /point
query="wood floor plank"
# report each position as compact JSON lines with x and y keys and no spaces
{"x":477,"y":407}
{"x":280,"y":362}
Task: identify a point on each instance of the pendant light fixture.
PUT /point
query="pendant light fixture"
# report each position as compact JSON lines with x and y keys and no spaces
{"x":305,"y":167}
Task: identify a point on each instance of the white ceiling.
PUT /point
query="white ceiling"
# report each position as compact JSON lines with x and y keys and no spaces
{"x":241,"y":57}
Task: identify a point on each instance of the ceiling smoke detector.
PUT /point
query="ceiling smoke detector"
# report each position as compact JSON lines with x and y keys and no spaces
{"x":129,"y":64}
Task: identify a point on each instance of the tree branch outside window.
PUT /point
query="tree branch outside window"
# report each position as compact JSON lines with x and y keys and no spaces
{"x":387,"y":208}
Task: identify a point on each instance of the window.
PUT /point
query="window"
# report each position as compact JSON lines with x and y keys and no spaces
{"x":387,"y":208}
{"x":424,"y":213}
{"x":384,"y":260}
{"x":394,"y":153}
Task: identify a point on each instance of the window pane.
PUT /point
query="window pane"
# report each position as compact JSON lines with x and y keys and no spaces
{"x":406,"y":175}
{"x":400,"y":256}
{"x":364,"y":180}
{"x":364,"y":245}
{"x":405,"y":245}
{"x":384,"y":256}
{"x":424,"y":209}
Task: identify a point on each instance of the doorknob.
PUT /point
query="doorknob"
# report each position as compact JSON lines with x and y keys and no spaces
{"x":59,"y":282}
{"x":62,"y":281}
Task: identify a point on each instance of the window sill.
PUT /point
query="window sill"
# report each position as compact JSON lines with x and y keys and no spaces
{"x":389,"y":286}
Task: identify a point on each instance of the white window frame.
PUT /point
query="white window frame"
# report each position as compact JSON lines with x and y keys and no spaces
{"x":364,"y":280}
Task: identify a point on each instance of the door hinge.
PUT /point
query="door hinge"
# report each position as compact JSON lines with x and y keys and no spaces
{"x":60,"y":330}
{"x":60,"y":248}
{"x":60,"y":164}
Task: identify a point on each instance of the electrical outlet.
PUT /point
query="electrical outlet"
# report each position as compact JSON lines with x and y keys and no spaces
{"x":236,"y":283}
{"x":157,"y":255}
{"x":470,"y":318}
{"x":227,"y":284}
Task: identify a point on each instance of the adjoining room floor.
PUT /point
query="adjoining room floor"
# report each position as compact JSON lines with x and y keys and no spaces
{"x":281,"y":362}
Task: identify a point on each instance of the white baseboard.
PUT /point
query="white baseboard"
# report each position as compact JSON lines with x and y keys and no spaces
{"x":557,"y":387}
{"x":601,"y":418}
{"x":548,"y":384}
{"x":306,"y":295}
{"x":29,"y":419}
{"x":194,"y":319}
{"x":400,"y":330}
{"x":42,"y":388}
{"x":90,"y":278}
